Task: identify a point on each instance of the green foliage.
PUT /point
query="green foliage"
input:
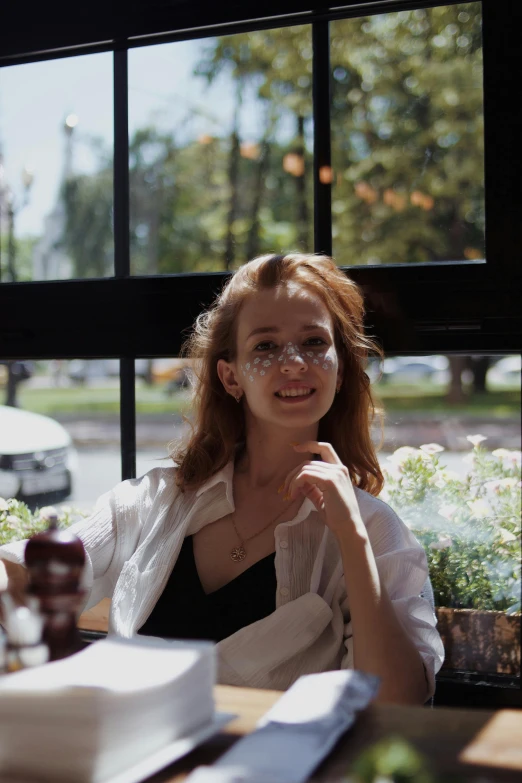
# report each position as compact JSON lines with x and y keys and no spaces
{"x":407,"y":128}
{"x":469,"y":527}
{"x":17,"y":521}
{"x":407,"y":147}
{"x":392,"y":760}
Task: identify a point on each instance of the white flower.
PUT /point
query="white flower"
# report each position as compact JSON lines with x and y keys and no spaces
{"x":262,"y":372}
{"x":247,"y":366}
{"x":250,"y":377}
{"x":443,"y":543}
{"x":4,"y":506}
{"x":447,"y":511}
{"x":505,"y":535}
{"x":270,"y":355}
{"x":316,"y":361}
{"x":501,"y":453}
{"x":309,"y":353}
{"x":267,"y":363}
{"x":469,"y":458}
{"x":515,"y":457}
{"x":325,"y":366}
{"x":47,"y":512}
{"x":479,"y":508}
{"x":400,"y":456}
{"x":499,"y":484}
{"x":257,"y":360}
{"x":475,"y":439}
{"x":431,"y":448}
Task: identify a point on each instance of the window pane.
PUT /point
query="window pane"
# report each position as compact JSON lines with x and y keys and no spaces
{"x":56,"y":141}
{"x":70,"y":452}
{"x":162,"y":398}
{"x":407,"y":136}
{"x":220,"y":150}
{"x":451,"y":455}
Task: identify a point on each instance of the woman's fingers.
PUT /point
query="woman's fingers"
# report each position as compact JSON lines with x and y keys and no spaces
{"x":325,"y":450}
{"x":324,"y":477}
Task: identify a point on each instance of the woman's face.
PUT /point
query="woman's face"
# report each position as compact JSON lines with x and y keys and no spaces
{"x":287,"y":365}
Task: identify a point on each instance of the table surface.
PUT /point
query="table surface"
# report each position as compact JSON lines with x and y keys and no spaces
{"x":440,"y":734}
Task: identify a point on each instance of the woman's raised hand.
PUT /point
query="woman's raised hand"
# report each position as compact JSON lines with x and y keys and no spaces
{"x":327,"y":484}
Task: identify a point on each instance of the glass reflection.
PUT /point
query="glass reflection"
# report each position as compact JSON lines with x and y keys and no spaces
{"x":220,"y":150}
{"x":56,"y":182}
{"x":407,"y":136}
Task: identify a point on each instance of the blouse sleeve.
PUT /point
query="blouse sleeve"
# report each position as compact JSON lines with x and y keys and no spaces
{"x":403,"y":569}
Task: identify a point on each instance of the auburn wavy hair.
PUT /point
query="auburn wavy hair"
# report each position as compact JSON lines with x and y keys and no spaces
{"x":218,"y":425}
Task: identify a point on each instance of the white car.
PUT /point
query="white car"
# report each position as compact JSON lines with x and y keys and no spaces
{"x":506,"y":372}
{"x":37,"y":458}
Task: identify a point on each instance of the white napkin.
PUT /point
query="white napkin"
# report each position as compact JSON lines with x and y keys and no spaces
{"x":297,"y":733}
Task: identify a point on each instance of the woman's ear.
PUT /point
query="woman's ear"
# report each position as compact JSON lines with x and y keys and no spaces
{"x":227,"y":376}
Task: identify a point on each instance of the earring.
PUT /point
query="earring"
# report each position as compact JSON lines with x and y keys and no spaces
{"x":237,"y":397}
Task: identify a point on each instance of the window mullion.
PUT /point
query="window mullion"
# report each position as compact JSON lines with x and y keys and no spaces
{"x":322,"y":143}
{"x":122,"y":254}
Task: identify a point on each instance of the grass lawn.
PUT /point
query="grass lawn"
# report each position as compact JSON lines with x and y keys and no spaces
{"x":154,"y":400}
{"x":499,"y":403}
{"x":100,"y":400}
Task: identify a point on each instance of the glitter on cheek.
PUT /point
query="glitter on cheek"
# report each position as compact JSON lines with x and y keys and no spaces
{"x":257,"y":360}
{"x":250,"y":378}
{"x":262,"y":372}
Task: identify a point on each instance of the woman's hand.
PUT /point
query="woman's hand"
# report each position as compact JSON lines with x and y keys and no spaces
{"x":328,"y":485}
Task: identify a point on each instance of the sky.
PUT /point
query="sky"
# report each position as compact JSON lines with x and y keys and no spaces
{"x":36,"y":98}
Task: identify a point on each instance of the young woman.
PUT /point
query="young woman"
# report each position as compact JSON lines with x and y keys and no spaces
{"x":267,"y":536}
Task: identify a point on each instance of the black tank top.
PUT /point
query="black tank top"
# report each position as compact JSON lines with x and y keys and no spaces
{"x":185,"y":611}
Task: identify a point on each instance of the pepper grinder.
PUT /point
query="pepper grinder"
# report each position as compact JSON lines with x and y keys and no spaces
{"x":54,"y":561}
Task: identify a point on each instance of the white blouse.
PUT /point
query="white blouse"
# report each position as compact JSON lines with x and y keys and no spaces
{"x":134,"y":536}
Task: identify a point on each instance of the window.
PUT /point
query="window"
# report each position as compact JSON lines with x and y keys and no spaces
{"x":424,"y":298}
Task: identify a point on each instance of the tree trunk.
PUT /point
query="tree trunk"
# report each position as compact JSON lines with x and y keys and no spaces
{"x":12,"y":385}
{"x":302,"y":206}
{"x":456,"y":393}
{"x":479,"y":367}
{"x":252,"y":248}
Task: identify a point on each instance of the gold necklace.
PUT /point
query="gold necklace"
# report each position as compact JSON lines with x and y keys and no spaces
{"x":238,"y":553}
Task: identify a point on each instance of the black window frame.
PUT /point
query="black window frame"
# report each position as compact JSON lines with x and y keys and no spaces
{"x":462,"y":307}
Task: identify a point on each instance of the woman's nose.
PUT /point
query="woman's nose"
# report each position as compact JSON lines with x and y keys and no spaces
{"x":293,"y":363}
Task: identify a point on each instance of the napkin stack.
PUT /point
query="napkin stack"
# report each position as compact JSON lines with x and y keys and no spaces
{"x":96,"y":713}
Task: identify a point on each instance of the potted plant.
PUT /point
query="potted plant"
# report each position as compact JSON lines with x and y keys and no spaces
{"x":470,"y":529}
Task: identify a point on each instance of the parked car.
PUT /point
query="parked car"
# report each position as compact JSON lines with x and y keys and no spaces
{"x":83,"y":371}
{"x":37,"y":458}
{"x":411,"y":369}
{"x":506,"y":372}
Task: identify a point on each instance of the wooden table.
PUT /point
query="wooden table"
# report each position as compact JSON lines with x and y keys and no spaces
{"x":440,"y":734}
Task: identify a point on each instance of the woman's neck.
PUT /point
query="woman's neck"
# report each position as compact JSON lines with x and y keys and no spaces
{"x":268,"y":457}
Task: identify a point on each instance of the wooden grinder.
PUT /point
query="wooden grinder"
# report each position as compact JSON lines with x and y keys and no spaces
{"x":54,"y":561}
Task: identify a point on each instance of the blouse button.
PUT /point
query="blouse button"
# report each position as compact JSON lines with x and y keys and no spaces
{"x":283,"y":544}
{"x":284,"y":591}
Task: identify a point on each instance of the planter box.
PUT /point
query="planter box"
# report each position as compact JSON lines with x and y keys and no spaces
{"x":480,"y":641}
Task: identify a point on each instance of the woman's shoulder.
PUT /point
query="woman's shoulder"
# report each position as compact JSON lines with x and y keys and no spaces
{"x":372,"y":507}
{"x":383,"y":524}
{"x":157,"y":483}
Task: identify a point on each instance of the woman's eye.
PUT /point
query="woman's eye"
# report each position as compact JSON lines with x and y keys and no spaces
{"x":266,"y":346}
{"x":315,"y":341}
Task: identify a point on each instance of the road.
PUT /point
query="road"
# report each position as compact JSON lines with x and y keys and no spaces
{"x":100,"y":469}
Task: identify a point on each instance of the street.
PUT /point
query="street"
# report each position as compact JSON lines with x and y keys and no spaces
{"x":100,"y":469}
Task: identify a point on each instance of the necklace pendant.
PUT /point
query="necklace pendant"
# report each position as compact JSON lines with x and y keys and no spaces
{"x":238,"y":554}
